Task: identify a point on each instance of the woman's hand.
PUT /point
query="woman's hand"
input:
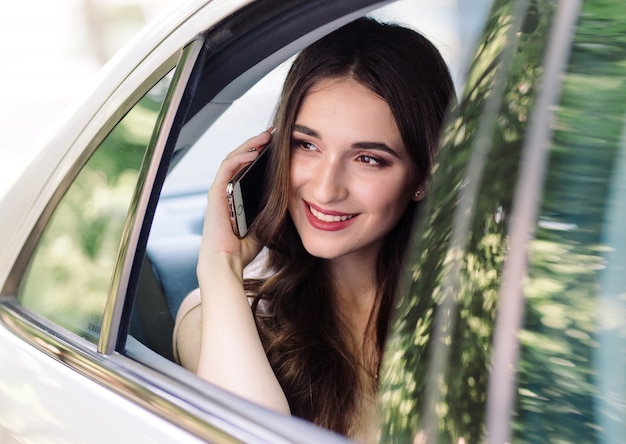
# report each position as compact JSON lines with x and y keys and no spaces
{"x":218,"y":239}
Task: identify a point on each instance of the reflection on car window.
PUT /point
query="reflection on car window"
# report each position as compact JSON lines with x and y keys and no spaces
{"x":69,"y":274}
{"x":572,"y":373}
{"x":437,"y":358}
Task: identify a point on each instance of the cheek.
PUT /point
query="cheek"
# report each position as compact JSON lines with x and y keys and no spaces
{"x":391,"y":210}
{"x":294,"y":177}
{"x":294,"y":184}
{"x":391,"y":196}
{"x":297,"y":175}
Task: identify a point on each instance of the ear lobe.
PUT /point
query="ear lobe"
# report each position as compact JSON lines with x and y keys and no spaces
{"x":418,"y":195}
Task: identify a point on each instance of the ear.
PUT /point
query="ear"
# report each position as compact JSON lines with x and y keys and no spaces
{"x":419,"y":194}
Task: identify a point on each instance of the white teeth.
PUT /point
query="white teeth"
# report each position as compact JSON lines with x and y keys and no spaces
{"x":327,"y":217}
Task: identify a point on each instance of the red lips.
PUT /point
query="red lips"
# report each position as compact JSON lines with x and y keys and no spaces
{"x":327,"y":220}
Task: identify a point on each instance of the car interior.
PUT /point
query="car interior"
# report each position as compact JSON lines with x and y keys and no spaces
{"x":168,"y":269}
{"x":225,"y":104}
{"x":258,"y":62}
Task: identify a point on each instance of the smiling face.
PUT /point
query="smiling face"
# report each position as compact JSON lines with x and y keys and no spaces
{"x":351,"y":178}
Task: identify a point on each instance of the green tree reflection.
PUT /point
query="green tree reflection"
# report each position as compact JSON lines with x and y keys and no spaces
{"x":558,"y":373}
{"x":69,"y":274}
{"x":436,"y":364}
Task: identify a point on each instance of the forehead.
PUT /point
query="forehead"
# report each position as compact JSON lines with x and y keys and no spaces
{"x":346,"y":85}
{"x":344,"y":103}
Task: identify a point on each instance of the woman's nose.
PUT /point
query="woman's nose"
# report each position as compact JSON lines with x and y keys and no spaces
{"x":330,"y":182}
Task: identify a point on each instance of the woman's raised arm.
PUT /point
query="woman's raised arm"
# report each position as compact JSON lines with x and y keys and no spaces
{"x":231,"y":355}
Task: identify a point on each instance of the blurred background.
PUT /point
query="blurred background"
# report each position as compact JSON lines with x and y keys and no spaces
{"x":49,"y":53}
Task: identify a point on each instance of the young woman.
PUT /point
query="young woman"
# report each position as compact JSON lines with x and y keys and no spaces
{"x":355,"y":134}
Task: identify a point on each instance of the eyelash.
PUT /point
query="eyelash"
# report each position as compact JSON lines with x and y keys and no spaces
{"x":302,"y":145}
{"x":368,"y":158}
{"x":365,"y":159}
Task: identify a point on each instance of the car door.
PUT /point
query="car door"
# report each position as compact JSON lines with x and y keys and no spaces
{"x":60,"y":303}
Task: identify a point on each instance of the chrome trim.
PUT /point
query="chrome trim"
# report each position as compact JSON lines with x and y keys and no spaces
{"x":502,"y":382}
{"x":81,"y":356}
{"x":132,"y":227}
{"x":168,"y":391}
{"x":172,"y":393}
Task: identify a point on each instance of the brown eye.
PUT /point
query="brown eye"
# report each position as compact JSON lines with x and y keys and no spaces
{"x":371,"y":160}
{"x":303,"y":145}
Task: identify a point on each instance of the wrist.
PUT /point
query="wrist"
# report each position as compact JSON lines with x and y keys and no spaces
{"x":219,"y":265}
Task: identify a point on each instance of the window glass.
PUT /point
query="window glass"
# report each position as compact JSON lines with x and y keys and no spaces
{"x":68,"y":277}
{"x":436,"y":366}
{"x":248,"y":115}
{"x":572,"y":373}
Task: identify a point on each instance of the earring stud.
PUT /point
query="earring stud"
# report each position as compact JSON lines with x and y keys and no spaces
{"x":417,"y":193}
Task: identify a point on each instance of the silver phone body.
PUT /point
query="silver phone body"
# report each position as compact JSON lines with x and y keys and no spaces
{"x":244,"y":194}
{"x":237,"y":209}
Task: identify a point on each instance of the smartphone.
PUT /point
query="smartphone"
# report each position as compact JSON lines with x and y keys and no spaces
{"x":245,"y":193}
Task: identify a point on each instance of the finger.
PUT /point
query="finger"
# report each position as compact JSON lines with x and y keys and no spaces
{"x":242,"y":156}
{"x":253,"y":144}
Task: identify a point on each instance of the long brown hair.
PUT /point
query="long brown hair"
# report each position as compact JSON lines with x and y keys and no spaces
{"x":297,"y":317}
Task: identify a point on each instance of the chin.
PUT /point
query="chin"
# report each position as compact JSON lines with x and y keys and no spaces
{"x":321,"y":251}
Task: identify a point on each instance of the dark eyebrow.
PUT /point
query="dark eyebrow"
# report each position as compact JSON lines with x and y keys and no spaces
{"x":306,"y":130}
{"x":378,"y":146}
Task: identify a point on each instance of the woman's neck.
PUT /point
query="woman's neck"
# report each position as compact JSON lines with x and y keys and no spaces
{"x":355,"y":287}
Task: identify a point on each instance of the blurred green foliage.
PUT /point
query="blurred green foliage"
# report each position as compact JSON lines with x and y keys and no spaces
{"x":558,"y":374}
{"x":69,"y":274}
{"x":436,"y":365}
